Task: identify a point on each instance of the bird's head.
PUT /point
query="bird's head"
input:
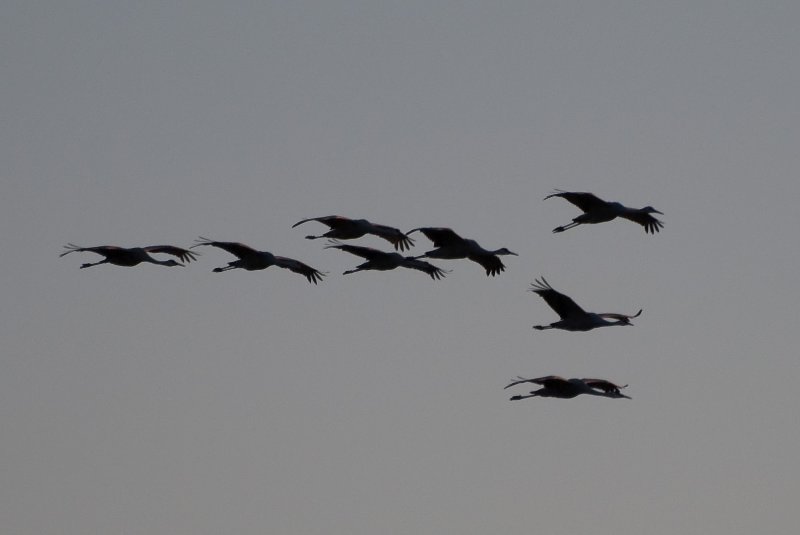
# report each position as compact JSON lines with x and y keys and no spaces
{"x":651,"y":210}
{"x":503,"y":250}
{"x":172,"y":263}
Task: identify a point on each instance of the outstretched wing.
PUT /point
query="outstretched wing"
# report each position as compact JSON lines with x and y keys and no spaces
{"x":184,"y":254}
{"x":651,"y":224}
{"x":440,"y":236}
{"x":588,"y":202}
{"x":364,"y":252}
{"x":393,"y":235}
{"x":237,"y":249}
{"x":491,"y":263}
{"x":307,"y":271}
{"x":549,"y":381}
{"x":100,"y":249}
{"x":564,"y":306}
{"x":425,"y":267}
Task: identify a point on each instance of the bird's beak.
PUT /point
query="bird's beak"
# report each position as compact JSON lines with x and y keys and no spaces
{"x":512,"y":252}
{"x":658,"y":212}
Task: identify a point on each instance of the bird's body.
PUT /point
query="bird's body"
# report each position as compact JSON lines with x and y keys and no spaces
{"x":343,"y":228}
{"x":596,"y":210}
{"x":385,"y":261}
{"x":554,"y":386}
{"x":252,"y":260}
{"x":133,"y":256}
{"x":451,"y":246}
{"x":573,"y":317}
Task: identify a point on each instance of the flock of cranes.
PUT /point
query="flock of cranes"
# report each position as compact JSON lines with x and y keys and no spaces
{"x":448,"y":245}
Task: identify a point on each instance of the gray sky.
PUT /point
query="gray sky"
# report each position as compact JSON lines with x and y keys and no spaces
{"x":176,"y":400}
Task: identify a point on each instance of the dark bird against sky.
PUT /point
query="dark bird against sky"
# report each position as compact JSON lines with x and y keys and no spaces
{"x":384,"y":261}
{"x":596,"y":210}
{"x":121,"y":256}
{"x":554,"y":386}
{"x":343,"y":228}
{"x":450,"y":245}
{"x":253,"y":260}
{"x":573,"y":317}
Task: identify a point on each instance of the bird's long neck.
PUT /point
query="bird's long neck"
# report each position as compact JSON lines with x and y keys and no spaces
{"x":607,"y":322}
{"x":605,"y":394}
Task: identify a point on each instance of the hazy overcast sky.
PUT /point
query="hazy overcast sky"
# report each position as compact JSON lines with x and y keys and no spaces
{"x":179,"y":401}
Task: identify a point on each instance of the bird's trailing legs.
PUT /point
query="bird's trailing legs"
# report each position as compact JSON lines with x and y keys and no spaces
{"x":565,"y":227}
{"x":95,"y":264}
{"x":518,"y":397}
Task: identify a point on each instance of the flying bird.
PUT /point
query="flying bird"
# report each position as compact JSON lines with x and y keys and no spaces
{"x":383,"y":261}
{"x":253,"y":260}
{"x":343,"y":228}
{"x":450,"y":245}
{"x":122,"y":256}
{"x":554,"y":386}
{"x":573,"y":317}
{"x":596,"y":210}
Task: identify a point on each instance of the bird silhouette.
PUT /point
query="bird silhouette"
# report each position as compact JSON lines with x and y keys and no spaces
{"x":596,"y":210}
{"x":132,"y":256}
{"x":343,"y":228}
{"x":450,"y":245}
{"x":573,"y":317}
{"x":554,"y":386}
{"x":384,"y":261}
{"x":252,"y":260}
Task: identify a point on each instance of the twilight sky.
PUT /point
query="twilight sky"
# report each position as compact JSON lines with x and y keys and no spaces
{"x":154,"y":400}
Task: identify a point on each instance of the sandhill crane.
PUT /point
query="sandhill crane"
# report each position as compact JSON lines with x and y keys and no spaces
{"x":343,"y":228}
{"x":596,"y":210}
{"x":558,"y":387}
{"x":122,"y":256}
{"x":573,"y":317}
{"x":252,"y":260}
{"x":383,"y":261}
{"x":450,"y":245}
